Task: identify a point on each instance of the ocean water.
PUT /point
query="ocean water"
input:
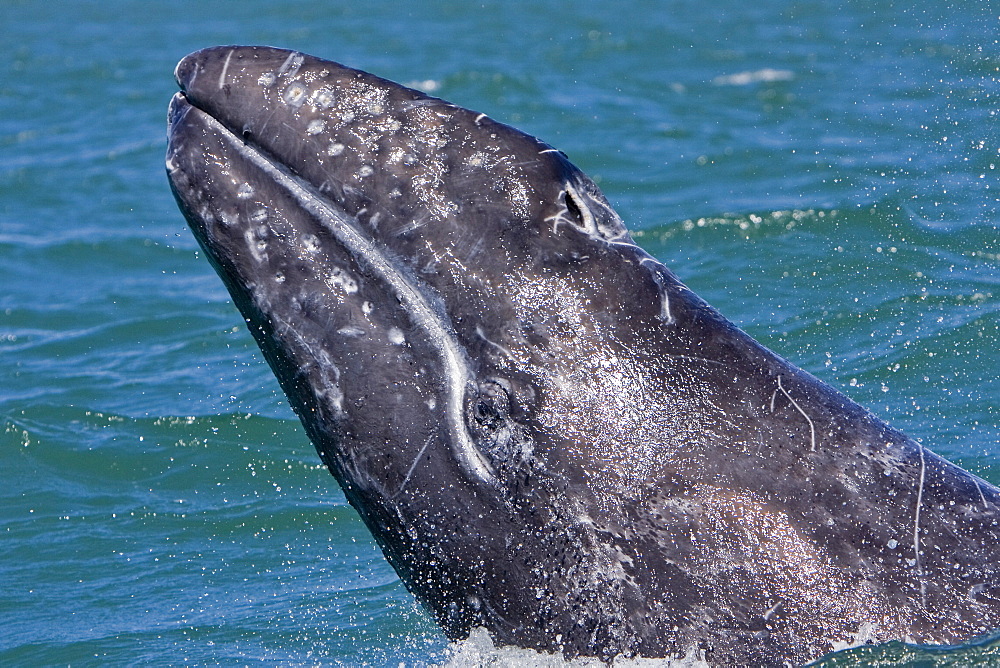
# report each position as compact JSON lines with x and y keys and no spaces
{"x":823,"y":173}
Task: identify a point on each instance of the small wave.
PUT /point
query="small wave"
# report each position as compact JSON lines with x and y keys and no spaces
{"x":766,"y":75}
{"x":744,"y":223}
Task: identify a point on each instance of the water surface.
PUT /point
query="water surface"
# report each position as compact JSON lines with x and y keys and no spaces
{"x":823,"y":173}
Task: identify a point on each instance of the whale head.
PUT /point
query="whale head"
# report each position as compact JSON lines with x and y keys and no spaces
{"x":440,"y":296}
{"x":547,"y":433}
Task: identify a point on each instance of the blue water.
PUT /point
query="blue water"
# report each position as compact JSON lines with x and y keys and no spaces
{"x":823,"y":173}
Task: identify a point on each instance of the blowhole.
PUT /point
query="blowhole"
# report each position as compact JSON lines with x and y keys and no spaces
{"x":573,"y":207}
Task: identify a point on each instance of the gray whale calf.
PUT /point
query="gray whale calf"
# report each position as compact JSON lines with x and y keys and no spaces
{"x":548,"y":434}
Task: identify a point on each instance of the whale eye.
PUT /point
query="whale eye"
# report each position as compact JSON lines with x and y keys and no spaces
{"x":487,"y":408}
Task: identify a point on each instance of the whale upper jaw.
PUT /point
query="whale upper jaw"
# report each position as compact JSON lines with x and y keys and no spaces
{"x":547,"y":433}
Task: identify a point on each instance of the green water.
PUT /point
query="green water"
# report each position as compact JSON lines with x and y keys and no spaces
{"x":823,"y":173}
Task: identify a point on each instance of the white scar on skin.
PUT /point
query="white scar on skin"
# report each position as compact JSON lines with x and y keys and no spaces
{"x":981,"y":495}
{"x":502,"y":349}
{"x":665,"y":315}
{"x":916,"y":528}
{"x":292,"y":64}
{"x":225,"y":68}
{"x":812,"y":427}
{"x":413,"y":466}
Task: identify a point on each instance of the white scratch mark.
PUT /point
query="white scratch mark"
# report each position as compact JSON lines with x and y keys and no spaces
{"x":292,"y":64}
{"x":623,"y":242}
{"x":225,"y":68}
{"x":321,"y":361}
{"x":548,"y":150}
{"x":665,"y":314}
{"x":916,"y":529}
{"x":981,"y":495}
{"x":812,"y":427}
{"x":413,"y":466}
{"x":505,"y":351}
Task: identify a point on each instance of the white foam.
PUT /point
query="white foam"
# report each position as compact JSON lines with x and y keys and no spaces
{"x":478,"y":650}
{"x":765,"y":75}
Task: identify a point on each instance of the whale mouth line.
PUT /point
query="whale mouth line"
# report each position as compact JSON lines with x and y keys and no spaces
{"x":414,"y":297}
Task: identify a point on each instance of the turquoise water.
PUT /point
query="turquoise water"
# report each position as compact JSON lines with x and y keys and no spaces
{"x":823,"y":173}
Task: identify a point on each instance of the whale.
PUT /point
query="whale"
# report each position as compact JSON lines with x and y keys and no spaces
{"x":547,"y":433}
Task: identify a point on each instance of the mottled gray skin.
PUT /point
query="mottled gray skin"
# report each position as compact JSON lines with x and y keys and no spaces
{"x":548,"y":434}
